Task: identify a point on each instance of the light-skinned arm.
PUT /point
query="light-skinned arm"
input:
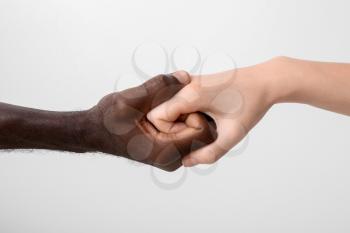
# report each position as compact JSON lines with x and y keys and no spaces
{"x":238,"y":99}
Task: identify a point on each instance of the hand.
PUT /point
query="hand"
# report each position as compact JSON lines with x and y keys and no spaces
{"x":235,"y":99}
{"x":120,"y":127}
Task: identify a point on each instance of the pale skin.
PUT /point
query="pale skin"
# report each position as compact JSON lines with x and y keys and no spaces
{"x":238,"y":99}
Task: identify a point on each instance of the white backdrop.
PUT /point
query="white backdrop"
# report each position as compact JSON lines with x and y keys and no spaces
{"x":293,"y":176}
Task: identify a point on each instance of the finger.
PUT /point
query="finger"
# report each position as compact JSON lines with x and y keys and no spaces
{"x":192,"y":126}
{"x":165,"y":115}
{"x":154,"y":91}
{"x":161,"y":83}
{"x":182,"y":76}
{"x":228,"y":137}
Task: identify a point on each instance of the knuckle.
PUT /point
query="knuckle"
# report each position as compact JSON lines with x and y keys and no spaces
{"x":151,"y":116}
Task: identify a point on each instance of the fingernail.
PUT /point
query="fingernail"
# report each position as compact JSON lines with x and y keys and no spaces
{"x":182,"y":76}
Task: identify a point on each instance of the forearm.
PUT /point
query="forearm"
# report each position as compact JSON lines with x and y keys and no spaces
{"x":321,"y":84}
{"x":26,"y":128}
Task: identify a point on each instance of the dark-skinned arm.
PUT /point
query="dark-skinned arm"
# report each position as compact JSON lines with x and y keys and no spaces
{"x":116,"y":125}
{"x":27,"y":128}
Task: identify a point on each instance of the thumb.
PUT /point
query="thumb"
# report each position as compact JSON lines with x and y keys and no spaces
{"x":159,"y":83}
{"x":165,"y":115}
{"x":164,"y":86}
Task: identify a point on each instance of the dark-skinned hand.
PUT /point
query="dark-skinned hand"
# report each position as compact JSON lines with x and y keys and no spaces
{"x":122,"y":128}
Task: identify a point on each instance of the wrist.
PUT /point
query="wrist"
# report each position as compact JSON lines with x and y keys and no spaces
{"x":95,"y":134}
{"x":280,"y":77}
{"x":82,"y":127}
{"x":66,"y":131}
{"x":90,"y":130}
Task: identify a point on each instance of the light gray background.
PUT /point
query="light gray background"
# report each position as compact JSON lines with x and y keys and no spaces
{"x":66,"y":54}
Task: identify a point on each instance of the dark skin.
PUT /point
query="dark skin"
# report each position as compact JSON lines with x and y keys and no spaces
{"x":116,"y":125}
